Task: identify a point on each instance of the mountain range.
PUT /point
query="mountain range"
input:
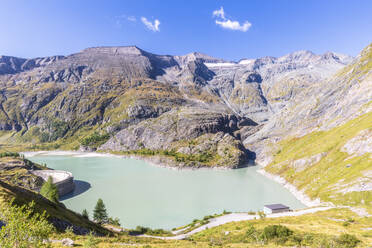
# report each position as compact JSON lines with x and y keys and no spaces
{"x":304,"y":119}
{"x":191,"y":110}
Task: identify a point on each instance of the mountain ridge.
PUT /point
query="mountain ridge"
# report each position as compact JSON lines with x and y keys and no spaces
{"x":109,"y":89}
{"x":132,"y":50}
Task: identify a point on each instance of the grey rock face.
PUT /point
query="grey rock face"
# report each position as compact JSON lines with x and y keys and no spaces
{"x":145,"y":111}
{"x":360,"y":144}
{"x":184,"y":124}
{"x":13,"y":65}
{"x":189,"y":131}
{"x":320,"y":106}
{"x":156,"y":101}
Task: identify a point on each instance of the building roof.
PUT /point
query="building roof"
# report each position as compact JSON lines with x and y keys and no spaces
{"x":276,"y":206}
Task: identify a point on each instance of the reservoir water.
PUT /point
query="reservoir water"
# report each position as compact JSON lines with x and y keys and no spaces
{"x":141,"y":194}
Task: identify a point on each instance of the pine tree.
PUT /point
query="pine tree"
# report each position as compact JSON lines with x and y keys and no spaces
{"x":114,"y":221}
{"x":85,"y":214}
{"x":49,"y":190}
{"x":99,"y":212}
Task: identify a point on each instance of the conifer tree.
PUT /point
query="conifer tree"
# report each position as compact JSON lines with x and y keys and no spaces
{"x":99,"y":212}
{"x":49,"y":190}
{"x":85,"y":214}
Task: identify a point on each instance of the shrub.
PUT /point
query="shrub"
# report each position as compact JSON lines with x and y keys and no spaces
{"x":90,"y":242}
{"x":55,"y":130}
{"x":207,"y":217}
{"x":252,"y":234}
{"x":95,"y":139}
{"x":350,"y":220}
{"x":69,"y":232}
{"x":158,"y":232}
{"x":24,"y":227}
{"x":44,"y":137}
{"x":85,"y":214}
{"x":114,"y":221}
{"x":139,"y":230}
{"x":278,"y":232}
{"x":49,"y":190}
{"x":226,"y":212}
{"x":347,"y":241}
{"x":9,"y":154}
{"x":58,"y":130}
{"x":261,"y":214}
{"x":146,"y":230}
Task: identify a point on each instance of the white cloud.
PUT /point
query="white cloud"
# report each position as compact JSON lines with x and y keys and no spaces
{"x":234,"y":25}
{"x":152,"y":26}
{"x":228,"y":23}
{"x":131,"y":18}
{"x":219,"y":13}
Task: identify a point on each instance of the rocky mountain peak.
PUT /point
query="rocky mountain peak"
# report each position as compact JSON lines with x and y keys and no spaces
{"x":202,"y":57}
{"x":336,"y":57}
{"x":302,"y":55}
{"x":10,"y":65}
{"x":114,"y":50}
{"x":102,"y":85}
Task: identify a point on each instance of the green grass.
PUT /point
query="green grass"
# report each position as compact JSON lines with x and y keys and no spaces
{"x":319,"y":180}
{"x":95,"y":139}
{"x":16,"y":183}
{"x":22,"y":196}
{"x":316,"y":228}
{"x":324,"y":224}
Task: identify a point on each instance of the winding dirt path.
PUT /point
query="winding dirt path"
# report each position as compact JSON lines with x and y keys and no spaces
{"x":237,"y":217}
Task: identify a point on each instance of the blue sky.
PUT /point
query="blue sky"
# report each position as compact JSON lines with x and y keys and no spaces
{"x":244,"y":29}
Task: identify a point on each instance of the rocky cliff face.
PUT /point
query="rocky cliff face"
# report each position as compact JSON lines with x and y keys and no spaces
{"x":320,"y":142}
{"x":186,"y":105}
{"x":323,"y":105}
{"x":190,"y":131}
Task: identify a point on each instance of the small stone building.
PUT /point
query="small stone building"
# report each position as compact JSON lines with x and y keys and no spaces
{"x":275,"y":208}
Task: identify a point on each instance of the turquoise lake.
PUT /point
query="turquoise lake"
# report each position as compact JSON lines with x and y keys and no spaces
{"x":141,"y":194}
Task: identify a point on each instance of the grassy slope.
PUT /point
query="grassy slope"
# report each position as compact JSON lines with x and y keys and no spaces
{"x":318,"y":180}
{"x":327,"y":224}
{"x":10,"y":189}
{"x":22,"y":196}
{"x":323,"y":179}
{"x":323,"y":176}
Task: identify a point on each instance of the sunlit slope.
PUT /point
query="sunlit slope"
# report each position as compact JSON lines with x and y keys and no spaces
{"x":329,"y":164}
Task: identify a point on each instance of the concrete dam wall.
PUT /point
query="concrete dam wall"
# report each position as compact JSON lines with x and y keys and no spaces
{"x":62,"y":179}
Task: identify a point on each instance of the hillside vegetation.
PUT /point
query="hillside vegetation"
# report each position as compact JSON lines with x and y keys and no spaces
{"x":319,"y":163}
{"x":17,"y":184}
{"x":307,"y":118}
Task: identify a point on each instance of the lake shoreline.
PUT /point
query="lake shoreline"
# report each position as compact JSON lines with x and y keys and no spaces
{"x":153,"y":161}
{"x":300,"y":195}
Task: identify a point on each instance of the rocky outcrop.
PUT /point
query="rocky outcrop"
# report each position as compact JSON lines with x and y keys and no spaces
{"x":363,"y":183}
{"x":360,"y":144}
{"x":181,"y":126}
{"x":303,"y":163}
{"x":323,"y":105}
{"x":18,"y":172}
